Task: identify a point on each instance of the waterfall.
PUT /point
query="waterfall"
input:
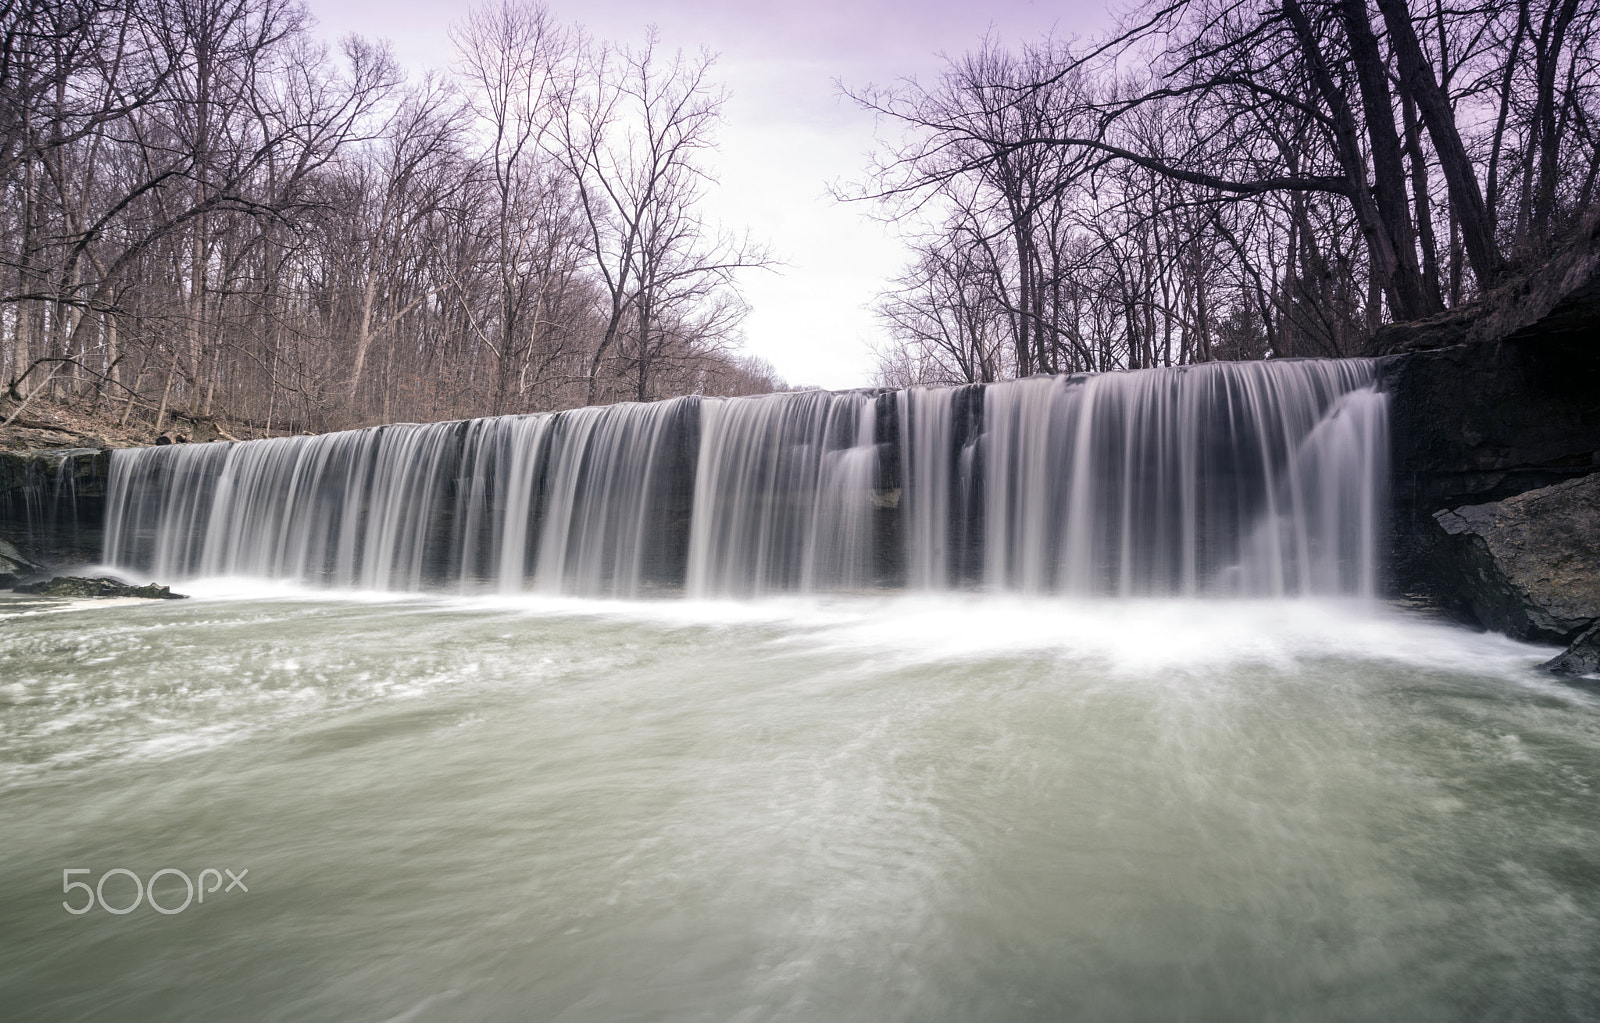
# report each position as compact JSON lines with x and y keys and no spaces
{"x":580,"y":502}
{"x":783,"y":494}
{"x":1263,"y":478}
{"x":1259,"y":478}
{"x":927,"y":431}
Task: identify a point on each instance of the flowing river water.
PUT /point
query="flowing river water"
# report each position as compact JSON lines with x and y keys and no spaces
{"x":938,"y":807}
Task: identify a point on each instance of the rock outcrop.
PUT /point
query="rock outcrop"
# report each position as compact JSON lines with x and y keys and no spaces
{"x":13,"y":565}
{"x":1529,"y":566}
{"x":1511,"y":409}
{"x":1581,"y":658}
{"x":80,"y":586}
{"x":1557,"y":297}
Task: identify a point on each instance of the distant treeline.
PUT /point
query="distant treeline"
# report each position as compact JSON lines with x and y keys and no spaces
{"x":205,"y":210}
{"x":1229,"y":180}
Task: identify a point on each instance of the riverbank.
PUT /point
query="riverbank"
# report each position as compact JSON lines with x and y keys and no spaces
{"x":40,"y":423}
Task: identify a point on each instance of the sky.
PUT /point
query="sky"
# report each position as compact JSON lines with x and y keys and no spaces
{"x":787,"y":133}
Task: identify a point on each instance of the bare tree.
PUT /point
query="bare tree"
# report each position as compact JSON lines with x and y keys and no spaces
{"x":1232,"y":178}
{"x":633,"y":138}
{"x":208,"y":214}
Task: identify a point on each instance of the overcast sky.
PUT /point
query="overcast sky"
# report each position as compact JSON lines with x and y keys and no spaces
{"x":786,"y":136}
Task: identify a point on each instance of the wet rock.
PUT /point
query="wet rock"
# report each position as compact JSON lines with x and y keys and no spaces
{"x":1529,"y":565}
{"x":80,"y":586}
{"x":37,"y":437}
{"x":1581,"y":658}
{"x":13,"y":564}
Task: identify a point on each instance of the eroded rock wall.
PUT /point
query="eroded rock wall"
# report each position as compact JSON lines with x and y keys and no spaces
{"x":1486,"y":421}
{"x":52,"y":506}
{"x":1494,"y":443}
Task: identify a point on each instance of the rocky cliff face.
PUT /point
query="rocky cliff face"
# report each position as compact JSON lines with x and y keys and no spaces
{"x":1493,"y":438}
{"x":1481,"y":423}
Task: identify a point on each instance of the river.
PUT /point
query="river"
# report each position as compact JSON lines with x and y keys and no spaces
{"x":922,"y":808}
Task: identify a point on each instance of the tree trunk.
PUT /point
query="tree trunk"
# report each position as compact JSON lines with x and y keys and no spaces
{"x":1497,"y":146}
{"x":606,"y":342}
{"x":1380,"y":246}
{"x":1544,"y":197}
{"x":1407,"y":295}
{"x":1419,"y":194}
{"x":643,"y":391}
{"x":1417,"y":81}
{"x":363,"y":336}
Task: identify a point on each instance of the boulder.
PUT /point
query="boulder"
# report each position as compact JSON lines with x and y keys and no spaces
{"x":79,"y":586}
{"x":1581,"y":658}
{"x":1529,"y":565}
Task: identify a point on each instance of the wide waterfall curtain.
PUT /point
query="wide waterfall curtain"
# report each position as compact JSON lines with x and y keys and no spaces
{"x":1262,"y":478}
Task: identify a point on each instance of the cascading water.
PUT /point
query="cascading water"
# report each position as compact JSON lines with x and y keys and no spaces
{"x":783,"y":494}
{"x":1260,"y":478}
{"x":580,"y":502}
{"x":1226,"y":478}
{"x":929,"y":463}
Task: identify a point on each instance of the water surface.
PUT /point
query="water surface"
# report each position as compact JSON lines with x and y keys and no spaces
{"x":946,"y":808}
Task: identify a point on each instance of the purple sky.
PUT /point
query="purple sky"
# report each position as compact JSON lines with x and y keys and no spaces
{"x":786,"y":135}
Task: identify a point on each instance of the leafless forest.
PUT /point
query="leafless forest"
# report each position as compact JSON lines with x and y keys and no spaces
{"x":209,"y":213}
{"x":1229,"y":180}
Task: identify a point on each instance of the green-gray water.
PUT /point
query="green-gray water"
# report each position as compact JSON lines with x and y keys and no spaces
{"x":926,"y":810}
